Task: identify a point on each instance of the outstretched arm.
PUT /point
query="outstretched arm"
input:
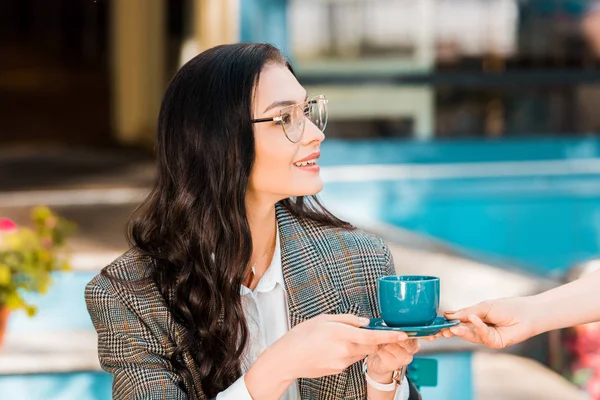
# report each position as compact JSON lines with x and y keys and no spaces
{"x":504,"y":322}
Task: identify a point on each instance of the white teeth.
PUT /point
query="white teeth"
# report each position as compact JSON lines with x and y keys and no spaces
{"x":305,"y":163}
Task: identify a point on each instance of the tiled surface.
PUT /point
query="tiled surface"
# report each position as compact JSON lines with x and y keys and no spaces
{"x":72,"y":386}
{"x":49,"y":352}
{"x":61,"y":309}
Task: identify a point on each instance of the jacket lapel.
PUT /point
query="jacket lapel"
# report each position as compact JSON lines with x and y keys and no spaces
{"x":310,"y":291}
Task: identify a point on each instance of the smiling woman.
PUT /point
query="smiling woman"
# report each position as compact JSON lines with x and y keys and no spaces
{"x":237,"y":286}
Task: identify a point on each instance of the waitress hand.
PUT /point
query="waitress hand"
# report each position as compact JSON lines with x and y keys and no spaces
{"x":495,"y":323}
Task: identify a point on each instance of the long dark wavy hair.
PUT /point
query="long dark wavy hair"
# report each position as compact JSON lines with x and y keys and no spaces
{"x":194,"y":223}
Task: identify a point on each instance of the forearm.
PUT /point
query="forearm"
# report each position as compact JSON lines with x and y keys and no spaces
{"x":269,"y":377}
{"x":572,"y":304}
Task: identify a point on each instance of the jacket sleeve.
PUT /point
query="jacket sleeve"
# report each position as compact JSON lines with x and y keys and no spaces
{"x":390,"y":269}
{"x":128,"y":350}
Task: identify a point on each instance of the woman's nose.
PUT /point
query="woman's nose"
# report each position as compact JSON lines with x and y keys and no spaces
{"x":312,"y":133}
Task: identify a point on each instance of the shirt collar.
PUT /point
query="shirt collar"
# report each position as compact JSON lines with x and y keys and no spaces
{"x":273,"y":275}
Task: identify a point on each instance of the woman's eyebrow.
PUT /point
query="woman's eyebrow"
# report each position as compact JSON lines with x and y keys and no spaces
{"x":283,"y":103}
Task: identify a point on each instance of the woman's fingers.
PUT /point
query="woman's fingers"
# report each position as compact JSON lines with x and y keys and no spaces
{"x":363,"y":350}
{"x":369,"y":337}
{"x":466,"y":331}
{"x":394,"y":356}
{"x":476,"y":331}
{"x":473,"y":329}
{"x":402,"y":352}
{"x":412,"y":346}
{"x":481,"y":310}
{"x":488,"y":335}
{"x":348,"y":319}
{"x":447,"y":333}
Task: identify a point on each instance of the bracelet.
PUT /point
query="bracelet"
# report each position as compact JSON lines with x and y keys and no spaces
{"x":383,"y":387}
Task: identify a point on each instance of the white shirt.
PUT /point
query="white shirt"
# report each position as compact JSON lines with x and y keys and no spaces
{"x":266,"y":313}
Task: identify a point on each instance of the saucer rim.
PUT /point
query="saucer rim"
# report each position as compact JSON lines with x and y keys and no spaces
{"x":416,"y":328}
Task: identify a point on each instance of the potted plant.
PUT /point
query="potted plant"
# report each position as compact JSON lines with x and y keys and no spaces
{"x":28,"y":257}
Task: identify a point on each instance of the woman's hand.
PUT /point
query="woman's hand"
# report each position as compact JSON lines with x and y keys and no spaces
{"x":390,"y":357}
{"x":328,"y":344}
{"x":495,"y":323}
{"x":324,"y":345}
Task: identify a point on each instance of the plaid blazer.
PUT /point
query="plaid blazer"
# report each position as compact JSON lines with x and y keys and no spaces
{"x":326,"y":270}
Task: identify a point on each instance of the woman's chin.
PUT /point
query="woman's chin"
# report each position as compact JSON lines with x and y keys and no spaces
{"x":306,"y":190}
{"x":313,"y":189}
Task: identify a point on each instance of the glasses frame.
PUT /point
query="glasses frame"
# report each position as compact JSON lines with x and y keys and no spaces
{"x":287,"y":110}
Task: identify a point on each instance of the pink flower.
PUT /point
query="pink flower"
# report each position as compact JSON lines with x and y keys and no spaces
{"x":47,"y":242}
{"x":7,"y":225}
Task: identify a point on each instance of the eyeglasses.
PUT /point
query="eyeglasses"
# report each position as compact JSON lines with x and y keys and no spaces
{"x":293,"y":118}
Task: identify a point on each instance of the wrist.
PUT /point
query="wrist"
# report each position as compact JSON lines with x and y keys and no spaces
{"x":282,"y":359}
{"x":533,"y":306}
{"x":268,"y":375}
{"x":383,"y":377}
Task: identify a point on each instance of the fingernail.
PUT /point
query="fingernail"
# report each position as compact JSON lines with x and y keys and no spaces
{"x":364,"y":321}
{"x":402,"y":337}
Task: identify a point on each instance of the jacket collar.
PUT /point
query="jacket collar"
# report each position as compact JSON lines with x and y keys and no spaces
{"x":309,"y":287}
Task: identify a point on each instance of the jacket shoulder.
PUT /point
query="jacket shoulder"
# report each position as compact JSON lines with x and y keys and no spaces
{"x":131,"y":266}
{"x":354,"y":242}
{"x":127,"y":277}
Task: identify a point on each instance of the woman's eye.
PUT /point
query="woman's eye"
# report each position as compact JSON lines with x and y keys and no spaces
{"x":286,"y":119}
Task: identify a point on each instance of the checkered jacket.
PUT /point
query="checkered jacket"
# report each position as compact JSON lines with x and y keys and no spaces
{"x":326,"y":270}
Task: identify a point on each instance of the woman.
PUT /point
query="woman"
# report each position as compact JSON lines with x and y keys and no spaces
{"x":237,"y":286}
{"x":504,"y":322}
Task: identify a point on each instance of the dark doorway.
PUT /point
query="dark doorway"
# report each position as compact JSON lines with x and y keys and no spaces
{"x":54,"y":72}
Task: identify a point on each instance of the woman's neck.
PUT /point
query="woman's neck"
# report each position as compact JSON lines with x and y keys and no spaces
{"x":263,"y":228}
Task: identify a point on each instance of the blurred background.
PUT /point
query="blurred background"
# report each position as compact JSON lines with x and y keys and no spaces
{"x":465,"y":132}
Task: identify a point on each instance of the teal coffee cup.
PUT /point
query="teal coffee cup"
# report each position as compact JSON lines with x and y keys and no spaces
{"x":408,"y":300}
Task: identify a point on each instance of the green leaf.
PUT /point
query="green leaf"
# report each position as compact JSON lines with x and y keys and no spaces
{"x":28,"y":257}
{"x":5,"y":275}
{"x":31,"y":310}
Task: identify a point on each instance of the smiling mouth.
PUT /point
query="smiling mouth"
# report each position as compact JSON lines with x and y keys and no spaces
{"x":306,"y":163}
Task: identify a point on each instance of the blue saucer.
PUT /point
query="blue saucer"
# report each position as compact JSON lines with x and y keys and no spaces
{"x":414,"y":331}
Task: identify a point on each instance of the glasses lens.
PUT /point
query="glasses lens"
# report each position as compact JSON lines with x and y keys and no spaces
{"x":318,"y":111}
{"x":293,"y":123}
{"x":294,"y":118}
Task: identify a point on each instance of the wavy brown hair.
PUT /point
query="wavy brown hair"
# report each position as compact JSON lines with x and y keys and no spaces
{"x":194,"y":223}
